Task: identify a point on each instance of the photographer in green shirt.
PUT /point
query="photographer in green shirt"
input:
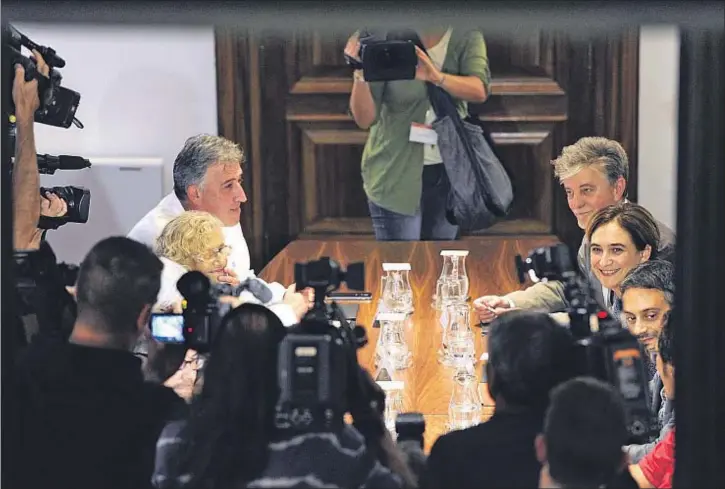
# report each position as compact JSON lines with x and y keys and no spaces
{"x":402,"y":171}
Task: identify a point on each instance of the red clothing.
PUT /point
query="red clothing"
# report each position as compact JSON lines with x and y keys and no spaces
{"x":658,"y":466}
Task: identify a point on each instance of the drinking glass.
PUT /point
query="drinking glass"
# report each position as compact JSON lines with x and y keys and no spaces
{"x":397,"y":293}
{"x":392,"y":348}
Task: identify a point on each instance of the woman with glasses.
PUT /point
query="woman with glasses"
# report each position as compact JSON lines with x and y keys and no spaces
{"x":193,"y":241}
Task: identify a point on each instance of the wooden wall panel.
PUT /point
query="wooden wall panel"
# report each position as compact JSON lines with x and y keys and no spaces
{"x":290,"y":112}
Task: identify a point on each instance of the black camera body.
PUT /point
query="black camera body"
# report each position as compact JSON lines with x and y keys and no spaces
{"x":410,"y":427}
{"x":58,"y":104}
{"x":605,"y":350}
{"x":318,"y":373}
{"x":385,"y":59}
{"x":35,"y":267}
{"x":40,"y":291}
{"x":78,"y":203}
{"x":203,"y":311}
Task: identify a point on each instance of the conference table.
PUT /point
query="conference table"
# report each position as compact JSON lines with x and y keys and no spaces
{"x":491,"y":269}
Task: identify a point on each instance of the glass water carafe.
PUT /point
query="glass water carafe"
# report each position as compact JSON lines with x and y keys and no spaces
{"x":452,"y":284}
{"x":458,"y":345}
{"x":464,"y":409}
{"x":397,"y":293}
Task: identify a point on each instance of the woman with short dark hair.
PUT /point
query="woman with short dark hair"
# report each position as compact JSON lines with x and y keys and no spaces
{"x":620,"y":237}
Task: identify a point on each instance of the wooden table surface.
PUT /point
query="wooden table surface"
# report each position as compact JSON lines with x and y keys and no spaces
{"x":491,"y":270}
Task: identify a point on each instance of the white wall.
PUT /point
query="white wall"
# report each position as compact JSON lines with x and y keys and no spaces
{"x":659,"y":58}
{"x":144,"y":89}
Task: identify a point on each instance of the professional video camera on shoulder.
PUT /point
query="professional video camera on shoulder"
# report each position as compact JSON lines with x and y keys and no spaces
{"x":319,"y":376}
{"x":385,"y":57}
{"x":607,"y":350}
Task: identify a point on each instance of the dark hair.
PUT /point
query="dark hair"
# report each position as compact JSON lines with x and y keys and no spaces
{"x":585,"y":429}
{"x":116,"y":280}
{"x":652,"y":274}
{"x":665,"y":341}
{"x":231,"y":420}
{"x":633,"y":218}
{"x":529,"y":354}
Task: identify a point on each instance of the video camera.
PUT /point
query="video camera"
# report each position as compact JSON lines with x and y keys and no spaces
{"x":58,"y":106}
{"x":606,"y":350}
{"x":203,"y":311}
{"x":385,"y":58}
{"x":319,"y":376}
{"x":40,"y":288}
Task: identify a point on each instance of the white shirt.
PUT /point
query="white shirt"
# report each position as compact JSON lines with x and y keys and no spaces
{"x":437,"y":54}
{"x":149,"y":228}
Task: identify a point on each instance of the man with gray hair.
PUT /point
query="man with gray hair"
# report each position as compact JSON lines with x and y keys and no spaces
{"x":648,"y":295}
{"x":593,"y":172}
{"x":208,"y":177}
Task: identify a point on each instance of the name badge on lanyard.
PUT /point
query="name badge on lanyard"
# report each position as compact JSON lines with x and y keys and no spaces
{"x":423,"y":133}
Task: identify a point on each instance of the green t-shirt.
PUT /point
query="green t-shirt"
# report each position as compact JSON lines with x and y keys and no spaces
{"x":392,"y":166}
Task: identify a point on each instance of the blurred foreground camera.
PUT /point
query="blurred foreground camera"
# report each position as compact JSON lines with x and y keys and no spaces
{"x":606,"y":350}
{"x":410,"y":427}
{"x":40,"y":288}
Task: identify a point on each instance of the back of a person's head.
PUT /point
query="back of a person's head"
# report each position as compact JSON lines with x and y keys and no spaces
{"x":666,"y":340}
{"x":244,"y":356}
{"x":232,"y":417}
{"x":585,"y":429}
{"x":529,"y":353}
{"x":116,"y":280}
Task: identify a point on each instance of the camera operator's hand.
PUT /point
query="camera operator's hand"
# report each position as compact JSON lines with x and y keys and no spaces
{"x":298,"y":301}
{"x":489,"y":307}
{"x":25,"y":93}
{"x":426,"y":70}
{"x":352,"y":48}
{"x":52,"y":206}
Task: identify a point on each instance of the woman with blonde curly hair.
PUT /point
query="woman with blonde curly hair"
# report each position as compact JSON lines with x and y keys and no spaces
{"x":193,"y":241}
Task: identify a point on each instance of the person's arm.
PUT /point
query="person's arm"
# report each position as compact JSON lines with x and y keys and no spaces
{"x":639,"y":477}
{"x":657,"y":467}
{"x":365,"y":97}
{"x":362,"y":104}
{"x":26,"y":179}
{"x":545,"y":296}
{"x":473,"y":84}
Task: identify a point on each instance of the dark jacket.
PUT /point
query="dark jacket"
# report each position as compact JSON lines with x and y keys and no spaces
{"x":499,"y":453}
{"x":87,"y":418}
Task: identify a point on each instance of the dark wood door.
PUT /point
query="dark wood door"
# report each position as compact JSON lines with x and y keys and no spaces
{"x":285,"y":99}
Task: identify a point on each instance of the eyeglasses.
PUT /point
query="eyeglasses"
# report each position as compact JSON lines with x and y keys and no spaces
{"x":221,"y":250}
